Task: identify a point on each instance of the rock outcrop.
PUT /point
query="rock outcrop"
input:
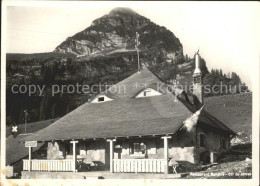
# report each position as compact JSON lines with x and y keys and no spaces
{"x":117,"y":30}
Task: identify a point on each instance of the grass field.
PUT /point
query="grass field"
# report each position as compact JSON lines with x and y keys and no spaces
{"x":235,"y":111}
{"x":30,"y":127}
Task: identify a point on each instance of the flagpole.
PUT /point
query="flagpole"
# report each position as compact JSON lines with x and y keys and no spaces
{"x":136,"y":46}
{"x":138,"y":59}
{"x":25,"y":120}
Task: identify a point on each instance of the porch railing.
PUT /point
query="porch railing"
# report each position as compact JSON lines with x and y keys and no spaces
{"x":138,"y":165}
{"x":64,"y":165}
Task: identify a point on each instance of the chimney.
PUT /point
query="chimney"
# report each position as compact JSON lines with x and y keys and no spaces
{"x":197,"y":82}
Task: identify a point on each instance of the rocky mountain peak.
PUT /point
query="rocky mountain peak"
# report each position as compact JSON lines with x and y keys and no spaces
{"x":122,"y":11}
{"x":117,"y":31}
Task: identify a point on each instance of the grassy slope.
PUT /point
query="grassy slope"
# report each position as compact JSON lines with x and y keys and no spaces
{"x":30,"y":127}
{"x":233,"y":110}
{"x":16,"y":150}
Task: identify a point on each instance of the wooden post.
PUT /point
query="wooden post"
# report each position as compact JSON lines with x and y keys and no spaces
{"x":166,"y":164}
{"x":74,"y":163}
{"x":111,"y":141}
{"x":30,"y":158}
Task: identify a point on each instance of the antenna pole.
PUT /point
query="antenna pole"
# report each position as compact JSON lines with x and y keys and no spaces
{"x":136,"y":46}
{"x":25,"y":120}
{"x":138,"y":59}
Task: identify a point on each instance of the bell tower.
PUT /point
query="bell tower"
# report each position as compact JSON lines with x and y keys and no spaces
{"x":197,"y":82}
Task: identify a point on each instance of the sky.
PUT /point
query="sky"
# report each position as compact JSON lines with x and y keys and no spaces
{"x":226,"y":33}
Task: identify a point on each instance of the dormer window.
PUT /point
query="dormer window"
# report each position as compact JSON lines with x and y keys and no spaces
{"x":101,"y":99}
{"x":148,"y":92}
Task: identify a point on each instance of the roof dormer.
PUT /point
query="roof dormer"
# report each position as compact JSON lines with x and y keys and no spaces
{"x":101,"y":98}
{"x":148,"y":92}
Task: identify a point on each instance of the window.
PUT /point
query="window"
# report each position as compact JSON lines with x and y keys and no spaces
{"x":147,"y":93}
{"x":100,"y":99}
{"x":196,"y":79}
{"x":68,"y":150}
{"x":202,"y":140}
{"x":138,"y":148}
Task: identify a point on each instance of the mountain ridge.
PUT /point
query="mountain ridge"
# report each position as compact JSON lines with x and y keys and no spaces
{"x":117,"y":30}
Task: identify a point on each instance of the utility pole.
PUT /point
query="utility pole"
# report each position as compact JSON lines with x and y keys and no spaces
{"x":136,"y":47}
{"x":25,"y":120}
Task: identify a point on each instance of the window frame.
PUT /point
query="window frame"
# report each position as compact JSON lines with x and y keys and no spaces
{"x":101,"y":97}
{"x":138,"y":151}
{"x":147,"y":91}
{"x":197,"y":79}
{"x":68,"y":149}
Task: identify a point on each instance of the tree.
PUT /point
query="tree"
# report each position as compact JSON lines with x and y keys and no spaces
{"x":42,"y":109}
{"x":208,"y":83}
{"x":220,"y":73}
{"x":187,"y":58}
{"x":235,"y":78}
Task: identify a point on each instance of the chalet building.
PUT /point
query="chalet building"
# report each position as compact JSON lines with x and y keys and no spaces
{"x":137,"y":125}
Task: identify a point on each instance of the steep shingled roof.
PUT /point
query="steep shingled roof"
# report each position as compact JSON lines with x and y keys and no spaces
{"x":130,"y":86}
{"x":118,"y":118}
{"x":205,"y":118}
{"x":124,"y":116}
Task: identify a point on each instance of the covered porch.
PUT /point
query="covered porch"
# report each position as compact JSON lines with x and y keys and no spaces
{"x":134,"y":163}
